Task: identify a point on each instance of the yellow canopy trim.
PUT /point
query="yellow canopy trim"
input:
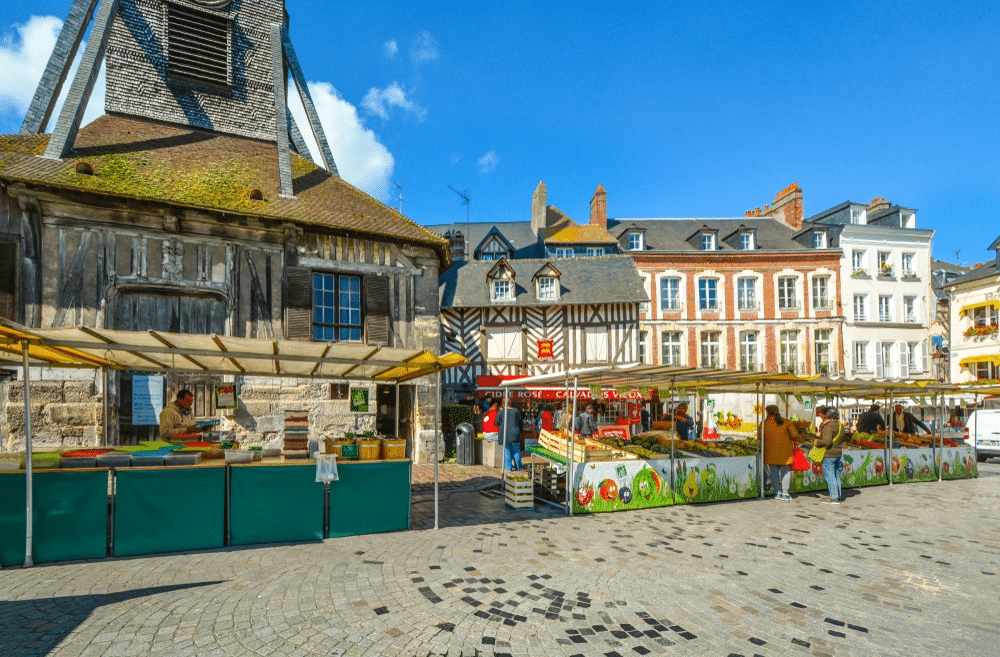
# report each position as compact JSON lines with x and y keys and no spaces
{"x":988,"y":358}
{"x":995,"y":304}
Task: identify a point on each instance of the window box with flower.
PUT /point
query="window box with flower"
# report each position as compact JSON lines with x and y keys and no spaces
{"x":981,"y":331}
{"x":885,"y":270}
{"x":859,"y":272}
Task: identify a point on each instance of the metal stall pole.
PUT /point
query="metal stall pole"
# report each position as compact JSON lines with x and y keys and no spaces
{"x":106,"y":409}
{"x":27,"y":459}
{"x":673,"y":439}
{"x":506,"y":419}
{"x":975,"y":429}
{"x":572,"y":446}
{"x":888,"y":436}
{"x":762,"y":391}
{"x":437,"y":448}
{"x":940,"y":427}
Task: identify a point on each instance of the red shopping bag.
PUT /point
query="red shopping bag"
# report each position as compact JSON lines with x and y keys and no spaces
{"x":799,"y":461}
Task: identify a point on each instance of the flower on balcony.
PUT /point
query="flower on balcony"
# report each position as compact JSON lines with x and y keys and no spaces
{"x":979,"y":331}
{"x":885,"y":270}
{"x":859,"y":271}
{"x":983,"y":382}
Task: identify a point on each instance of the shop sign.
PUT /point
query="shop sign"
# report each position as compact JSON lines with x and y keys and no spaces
{"x":545,"y":349}
{"x":359,"y":400}
{"x":619,"y":432}
{"x":225,"y":395}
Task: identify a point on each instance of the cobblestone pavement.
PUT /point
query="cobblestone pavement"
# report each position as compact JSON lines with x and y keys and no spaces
{"x":904,"y":570}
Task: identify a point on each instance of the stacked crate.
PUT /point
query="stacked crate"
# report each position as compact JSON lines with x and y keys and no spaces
{"x":519,"y":492}
{"x":296,"y":433}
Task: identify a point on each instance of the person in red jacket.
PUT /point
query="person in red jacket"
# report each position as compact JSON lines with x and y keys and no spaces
{"x":491,"y":431}
{"x":546,"y":418}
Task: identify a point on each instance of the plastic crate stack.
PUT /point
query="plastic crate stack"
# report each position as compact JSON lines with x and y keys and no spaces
{"x":297,"y":433}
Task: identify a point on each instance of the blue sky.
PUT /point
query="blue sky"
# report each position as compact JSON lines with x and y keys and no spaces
{"x":684,"y":109}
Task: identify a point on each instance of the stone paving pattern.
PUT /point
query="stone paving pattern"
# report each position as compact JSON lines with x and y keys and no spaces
{"x":910,"y":569}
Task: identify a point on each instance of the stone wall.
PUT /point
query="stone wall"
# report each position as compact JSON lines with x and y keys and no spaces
{"x":64,"y":415}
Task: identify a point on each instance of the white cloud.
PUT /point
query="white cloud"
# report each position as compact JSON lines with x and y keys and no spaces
{"x":378,"y":102}
{"x":22,"y":62}
{"x":424,"y":48}
{"x":391,"y":48}
{"x":361,"y":159}
{"x":488,"y":162}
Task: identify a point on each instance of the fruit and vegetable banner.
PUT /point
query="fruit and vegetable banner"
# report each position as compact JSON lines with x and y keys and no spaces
{"x":715,"y":480}
{"x":958,"y":463}
{"x":861,"y":467}
{"x":621,"y":485}
{"x":913,"y":465}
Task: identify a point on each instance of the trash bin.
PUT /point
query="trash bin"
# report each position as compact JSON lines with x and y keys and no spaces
{"x":464,"y":435}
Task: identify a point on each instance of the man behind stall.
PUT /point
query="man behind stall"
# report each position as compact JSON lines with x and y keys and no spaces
{"x":176,"y":417}
{"x":871,"y":421}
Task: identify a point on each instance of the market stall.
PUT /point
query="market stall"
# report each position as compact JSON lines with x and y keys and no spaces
{"x":196,"y":501}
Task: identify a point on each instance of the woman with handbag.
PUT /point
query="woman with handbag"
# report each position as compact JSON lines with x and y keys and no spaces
{"x":779,"y":439}
{"x":829,"y":438}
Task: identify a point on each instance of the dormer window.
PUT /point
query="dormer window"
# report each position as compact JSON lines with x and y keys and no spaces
{"x":636,"y":241}
{"x":857,"y":216}
{"x":494,"y":247}
{"x":501,"y":282}
{"x":502,"y":291}
{"x":547,"y":288}
{"x":819,"y":239}
{"x":708,"y":241}
{"x":547,"y":283}
{"x":748,"y":240}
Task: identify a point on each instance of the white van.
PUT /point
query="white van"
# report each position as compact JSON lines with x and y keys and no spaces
{"x":983,"y":430}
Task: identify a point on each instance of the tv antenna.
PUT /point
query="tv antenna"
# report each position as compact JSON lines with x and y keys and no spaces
{"x":467,"y":202}
{"x":400,"y":199}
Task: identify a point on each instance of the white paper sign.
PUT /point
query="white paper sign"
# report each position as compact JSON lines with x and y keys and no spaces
{"x":326,"y":467}
{"x":147,"y":399}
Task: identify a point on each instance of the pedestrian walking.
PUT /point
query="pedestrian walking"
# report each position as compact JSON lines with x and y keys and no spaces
{"x":585,"y":422}
{"x":779,"y":438}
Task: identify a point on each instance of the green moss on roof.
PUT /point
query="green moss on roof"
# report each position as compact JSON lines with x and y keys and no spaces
{"x":25,"y":144}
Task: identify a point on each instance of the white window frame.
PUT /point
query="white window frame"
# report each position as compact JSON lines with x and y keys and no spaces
{"x":636,"y":241}
{"x":596,"y":343}
{"x":858,"y":261}
{"x":502,"y":290}
{"x":708,"y":287}
{"x":884,"y":262}
{"x":748,"y":241}
{"x":665,"y":302}
{"x":746,"y":293}
{"x":910,"y":309}
{"x":708,"y":241}
{"x":750,"y":350}
{"x":595,"y":251}
{"x":823,"y":341}
{"x":643,"y":336}
{"x":547,"y":288}
{"x":504,"y":343}
{"x":860,"y":351}
{"x":860,"y":307}
{"x":565,"y":252}
{"x":857,"y":216}
{"x":709,"y":349}
{"x":789,"y":350}
{"x":885,"y":307}
{"x":671,"y":351}
{"x":906,"y":264}
{"x":787,"y":299}
{"x":821,"y":292}
{"x":819,"y":239}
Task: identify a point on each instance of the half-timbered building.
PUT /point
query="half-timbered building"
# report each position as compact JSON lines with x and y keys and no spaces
{"x":193,"y":206}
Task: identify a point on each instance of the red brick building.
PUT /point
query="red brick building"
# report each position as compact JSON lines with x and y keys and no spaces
{"x":759,"y":292}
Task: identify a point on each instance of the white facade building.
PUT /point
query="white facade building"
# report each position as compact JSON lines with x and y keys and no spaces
{"x":886,"y":289}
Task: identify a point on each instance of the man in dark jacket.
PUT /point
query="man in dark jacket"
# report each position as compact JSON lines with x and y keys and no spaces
{"x":871,"y":421}
{"x":905,"y":422}
{"x":509,"y":423}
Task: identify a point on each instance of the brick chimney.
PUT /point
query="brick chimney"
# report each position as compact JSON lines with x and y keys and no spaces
{"x":538,"y":205}
{"x":787,"y":206}
{"x":878,"y":203}
{"x":599,"y":207}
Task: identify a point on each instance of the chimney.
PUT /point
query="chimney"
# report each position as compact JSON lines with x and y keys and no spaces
{"x":787,"y":206}
{"x":599,"y":207}
{"x":878,"y":204}
{"x":538,"y":205}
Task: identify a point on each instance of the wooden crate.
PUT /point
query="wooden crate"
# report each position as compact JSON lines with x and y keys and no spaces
{"x":519,"y":494}
{"x":547,"y":479}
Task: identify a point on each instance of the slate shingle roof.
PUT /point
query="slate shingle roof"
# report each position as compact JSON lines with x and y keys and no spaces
{"x":189,"y":167}
{"x":600,"y":279}
{"x":674,"y":234}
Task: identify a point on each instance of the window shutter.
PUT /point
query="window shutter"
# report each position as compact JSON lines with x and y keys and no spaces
{"x":377,"y":318}
{"x":298,"y":303}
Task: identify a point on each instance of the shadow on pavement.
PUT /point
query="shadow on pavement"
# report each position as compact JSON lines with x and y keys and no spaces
{"x":35,"y":627}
